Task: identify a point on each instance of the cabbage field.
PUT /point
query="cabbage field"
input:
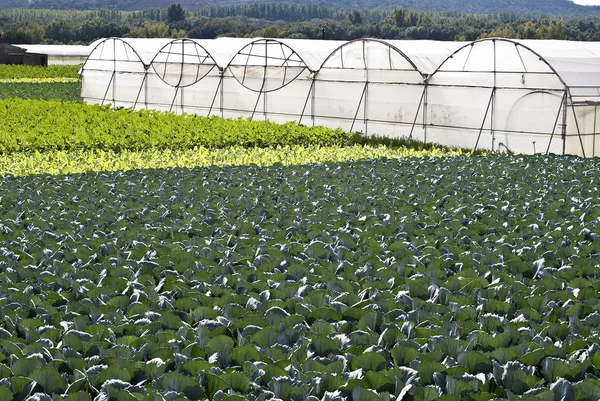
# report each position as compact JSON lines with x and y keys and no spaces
{"x":458,"y":278}
{"x":153,"y":257}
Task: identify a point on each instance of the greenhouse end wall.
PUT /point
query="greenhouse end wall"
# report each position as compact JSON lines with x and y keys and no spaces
{"x":499,"y":94}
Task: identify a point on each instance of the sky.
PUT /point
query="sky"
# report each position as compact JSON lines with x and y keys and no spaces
{"x":587,"y":2}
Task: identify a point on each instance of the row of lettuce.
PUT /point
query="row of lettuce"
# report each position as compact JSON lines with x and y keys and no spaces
{"x":60,"y":136}
{"x":53,"y":125}
{"x":13,"y":71}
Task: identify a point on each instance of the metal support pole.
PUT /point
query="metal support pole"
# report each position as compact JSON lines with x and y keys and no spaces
{"x":556,"y":122}
{"x":577,"y":125}
{"x":494,"y":99}
{"x":114,"y":80}
{"x":358,"y":107}
{"x":222,"y":100}
{"x":181,"y":99}
{"x":425,"y":111}
{"x":265,"y":95}
{"x":142,"y":86}
{"x":595,"y":133}
{"x":308,"y":95}
{"x":174,"y":98}
{"x":313,"y":102}
{"x":417,"y":114}
{"x":564,"y":127}
{"x":108,"y":87}
{"x":256,"y":104}
{"x":366,"y":105}
{"x":181,"y":72}
{"x":215,"y":96}
{"x":487,"y":110}
{"x":146,"y":89}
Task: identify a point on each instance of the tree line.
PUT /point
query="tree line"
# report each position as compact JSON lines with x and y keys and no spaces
{"x":555,"y":7}
{"x":285,"y":21}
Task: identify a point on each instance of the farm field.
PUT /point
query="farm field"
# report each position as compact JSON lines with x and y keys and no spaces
{"x":41,"y":136}
{"x":47,"y":89}
{"x":359,"y":279}
{"x":30,"y":72}
{"x":147,"y":256}
{"x":55,"y":82}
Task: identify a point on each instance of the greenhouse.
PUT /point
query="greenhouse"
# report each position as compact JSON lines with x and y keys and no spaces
{"x":375,"y":86}
{"x":523,"y":96}
{"x":61,"y":54}
{"x":272,"y":78}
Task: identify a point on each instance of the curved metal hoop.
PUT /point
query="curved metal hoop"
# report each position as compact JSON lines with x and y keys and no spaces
{"x":247,"y":51}
{"x":516,"y":43}
{"x":203,"y":56}
{"x":114,"y":39}
{"x":364,"y":40}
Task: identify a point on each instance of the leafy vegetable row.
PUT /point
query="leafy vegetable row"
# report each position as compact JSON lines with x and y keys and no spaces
{"x":459,"y":278}
{"x":12,"y":71}
{"x":38,"y":80}
{"x":38,"y":125}
{"x":80,"y":161}
{"x":62,"y":89}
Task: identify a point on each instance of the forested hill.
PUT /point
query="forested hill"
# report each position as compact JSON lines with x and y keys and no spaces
{"x":556,"y":7}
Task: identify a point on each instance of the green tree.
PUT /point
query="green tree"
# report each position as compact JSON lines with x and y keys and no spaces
{"x":396,"y":17}
{"x":175,"y":13}
{"x":355,"y":17}
{"x":149,"y":30}
{"x":60,"y":30}
{"x":527,"y":30}
{"x":30,"y":33}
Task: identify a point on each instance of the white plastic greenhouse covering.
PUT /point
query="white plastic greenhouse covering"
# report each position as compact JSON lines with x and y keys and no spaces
{"x":523,"y":96}
{"x":61,"y":54}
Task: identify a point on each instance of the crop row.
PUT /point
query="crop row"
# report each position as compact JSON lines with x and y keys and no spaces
{"x":13,"y":71}
{"x":459,"y":278}
{"x":63,"y":89}
{"x":38,"y":125}
{"x":81,"y":161}
{"x":38,"y":80}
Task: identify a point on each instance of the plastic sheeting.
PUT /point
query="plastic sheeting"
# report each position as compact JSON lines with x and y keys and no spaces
{"x":61,"y":54}
{"x":522,"y":96}
{"x":526,"y":96}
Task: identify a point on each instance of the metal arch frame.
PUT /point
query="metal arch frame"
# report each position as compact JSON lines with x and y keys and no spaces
{"x":114,"y":38}
{"x":364,"y":91}
{"x":114,"y":60}
{"x":381,"y":41}
{"x":515,"y":42}
{"x":172,"y":44}
{"x":267,"y":41}
{"x":196,"y":46}
{"x":566,"y":89}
